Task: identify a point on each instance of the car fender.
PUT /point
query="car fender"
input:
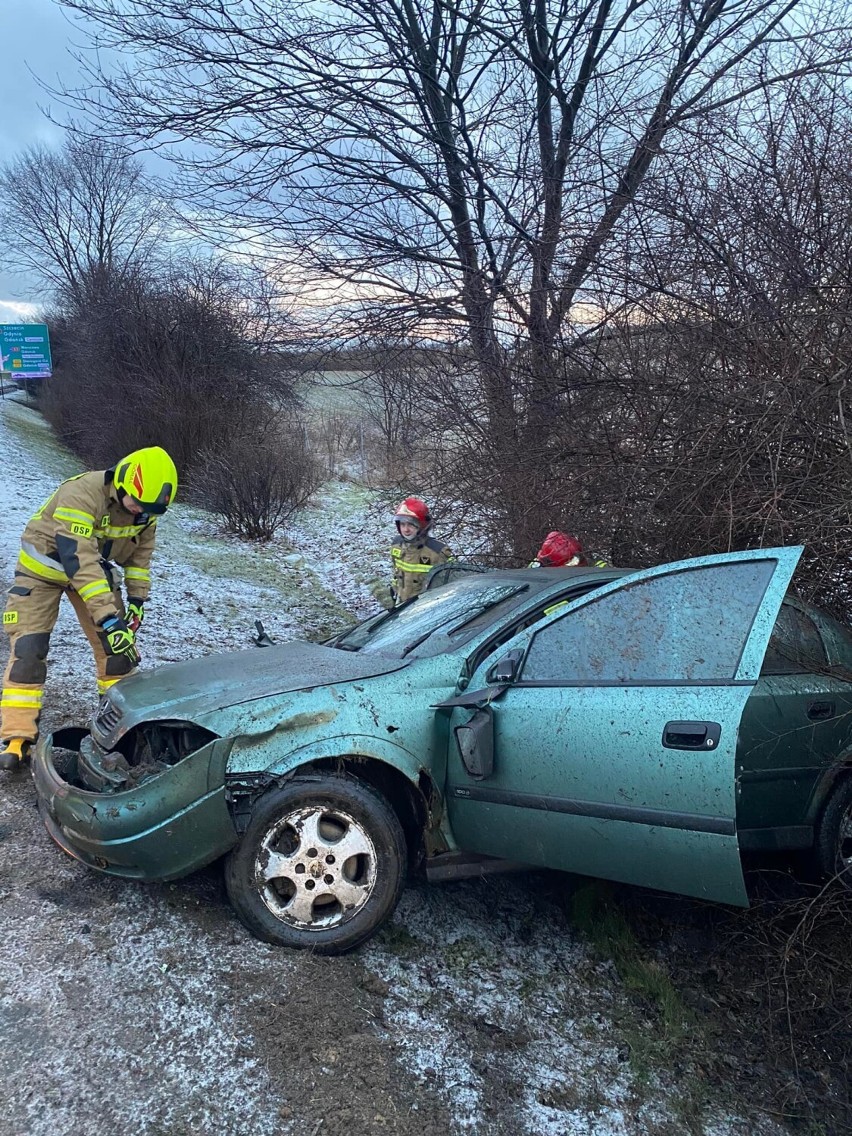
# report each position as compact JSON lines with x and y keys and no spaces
{"x":244,"y":784}
{"x":351,"y":745}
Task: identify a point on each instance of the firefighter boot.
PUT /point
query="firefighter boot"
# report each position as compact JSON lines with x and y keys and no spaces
{"x":15,"y":753}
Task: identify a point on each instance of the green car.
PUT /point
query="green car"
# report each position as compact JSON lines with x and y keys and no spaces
{"x":640,"y":726}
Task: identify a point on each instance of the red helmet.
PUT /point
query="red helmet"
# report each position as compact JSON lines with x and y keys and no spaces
{"x":415,"y":511}
{"x":560,"y":550}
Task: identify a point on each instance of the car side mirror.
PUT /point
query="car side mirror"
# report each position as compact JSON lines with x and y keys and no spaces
{"x":475,"y":740}
{"x":506,"y":669}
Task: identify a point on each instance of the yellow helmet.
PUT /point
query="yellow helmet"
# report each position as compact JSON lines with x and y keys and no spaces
{"x":148,"y":476}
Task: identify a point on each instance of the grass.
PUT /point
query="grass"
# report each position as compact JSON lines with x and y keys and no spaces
{"x":301,"y":588}
{"x":397,"y":940}
{"x":463,"y":954}
{"x":603,"y":923}
{"x":659,"y":1030}
{"x":37,"y":436}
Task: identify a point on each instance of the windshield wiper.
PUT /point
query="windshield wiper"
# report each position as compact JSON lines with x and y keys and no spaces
{"x":416,"y":643}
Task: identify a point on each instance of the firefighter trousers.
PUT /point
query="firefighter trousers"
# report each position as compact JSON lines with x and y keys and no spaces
{"x":31,"y":613}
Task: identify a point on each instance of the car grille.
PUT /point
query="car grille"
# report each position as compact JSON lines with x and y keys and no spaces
{"x":107,"y":718}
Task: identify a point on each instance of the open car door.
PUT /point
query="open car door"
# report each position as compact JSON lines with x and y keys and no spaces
{"x":610,"y":747}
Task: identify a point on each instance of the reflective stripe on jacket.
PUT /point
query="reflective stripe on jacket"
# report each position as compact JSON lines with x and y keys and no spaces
{"x":78,"y":528}
{"x":412,"y":561}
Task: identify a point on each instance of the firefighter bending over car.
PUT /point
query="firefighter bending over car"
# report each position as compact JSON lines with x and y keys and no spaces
{"x":414,"y":553}
{"x":561,"y":550}
{"x":70,"y":547}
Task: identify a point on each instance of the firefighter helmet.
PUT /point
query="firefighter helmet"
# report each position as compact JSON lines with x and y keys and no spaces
{"x":149,"y":477}
{"x":560,"y":550}
{"x":414,"y":511}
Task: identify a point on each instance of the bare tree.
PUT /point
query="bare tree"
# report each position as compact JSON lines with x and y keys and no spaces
{"x":461,"y":160}
{"x":81,"y":216}
{"x":714,"y":413}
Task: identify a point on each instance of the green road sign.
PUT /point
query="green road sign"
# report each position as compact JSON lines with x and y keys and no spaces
{"x":25,"y":350}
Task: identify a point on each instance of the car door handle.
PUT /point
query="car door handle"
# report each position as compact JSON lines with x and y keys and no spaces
{"x":691,"y":735}
{"x":818,"y":711}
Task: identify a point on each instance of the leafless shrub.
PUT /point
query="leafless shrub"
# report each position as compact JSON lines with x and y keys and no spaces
{"x":259,"y":481}
{"x":336,"y":435}
{"x":185,"y":361}
{"x":776,"y":983}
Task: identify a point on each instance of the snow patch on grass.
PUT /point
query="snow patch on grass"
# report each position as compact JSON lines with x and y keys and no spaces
{"x":495,"y":1001}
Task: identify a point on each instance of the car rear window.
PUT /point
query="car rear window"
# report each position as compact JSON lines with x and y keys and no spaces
{"x":795,"y":646}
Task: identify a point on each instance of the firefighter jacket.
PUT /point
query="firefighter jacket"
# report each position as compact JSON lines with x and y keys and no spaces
{"x":412,"y":561}
{"x":70,"y":540}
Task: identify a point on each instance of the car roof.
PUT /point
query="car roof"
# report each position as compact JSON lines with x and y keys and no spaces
{"x":540,"y":577}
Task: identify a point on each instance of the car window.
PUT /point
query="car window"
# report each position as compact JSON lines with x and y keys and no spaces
{"x":445,"y":613}
{"x":839,"y":644}
{"x":682,"y":626}
{"x":510,"y":630}
{"x":795,"y":645}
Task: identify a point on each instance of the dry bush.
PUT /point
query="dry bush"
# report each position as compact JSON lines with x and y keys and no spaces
{"x":336,"y":435}
{"x":772,"y":988}
{"x":260,"y":480}
{"x":183,"y":362}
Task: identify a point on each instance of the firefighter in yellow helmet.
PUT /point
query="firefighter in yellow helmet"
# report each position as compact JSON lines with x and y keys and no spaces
{"x":71,"y":546}
{"x":414,"y":553}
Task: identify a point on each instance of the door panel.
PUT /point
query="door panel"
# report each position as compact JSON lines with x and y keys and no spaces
{"x":798,"y":724}
{"x":784,"y":750}
{"x":582,"y":778}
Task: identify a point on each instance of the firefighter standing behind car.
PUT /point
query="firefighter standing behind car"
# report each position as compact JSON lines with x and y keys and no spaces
{"x":413,"y":552}
{"x":91,"y":520}
{"x":561,"y":550}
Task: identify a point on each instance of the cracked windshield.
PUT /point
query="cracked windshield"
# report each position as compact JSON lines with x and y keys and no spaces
{"x":437,"y":620}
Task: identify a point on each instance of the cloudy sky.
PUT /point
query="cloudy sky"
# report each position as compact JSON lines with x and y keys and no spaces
{"x":36,"y":37}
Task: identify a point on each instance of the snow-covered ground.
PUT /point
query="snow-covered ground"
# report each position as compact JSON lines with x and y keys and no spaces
{"x":479,"y":1010}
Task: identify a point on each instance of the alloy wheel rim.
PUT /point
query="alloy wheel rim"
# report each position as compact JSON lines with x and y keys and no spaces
{"x":316,"y":868}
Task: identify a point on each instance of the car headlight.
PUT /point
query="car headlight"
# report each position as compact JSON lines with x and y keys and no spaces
{"x":106,"y":720}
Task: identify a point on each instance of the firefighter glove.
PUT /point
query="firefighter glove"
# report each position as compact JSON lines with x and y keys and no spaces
{"x":118,"y":638}
{"x":385,"y":595}
{"x":135,"y":614}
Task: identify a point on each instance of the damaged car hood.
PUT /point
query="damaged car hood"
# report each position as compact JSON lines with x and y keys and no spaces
{"x":189,"y":690}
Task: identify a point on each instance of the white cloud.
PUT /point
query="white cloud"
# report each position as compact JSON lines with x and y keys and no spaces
{"x":16,"y":311}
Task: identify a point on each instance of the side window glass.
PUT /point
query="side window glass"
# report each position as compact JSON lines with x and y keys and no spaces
{"x":839,"y":641}
{"x":689,"y":626}
{"x":795,"y":646}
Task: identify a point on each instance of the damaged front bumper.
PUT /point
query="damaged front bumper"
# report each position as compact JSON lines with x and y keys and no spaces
{"x":163,"y":828}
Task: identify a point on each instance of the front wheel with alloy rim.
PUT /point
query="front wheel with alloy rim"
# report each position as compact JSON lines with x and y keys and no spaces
{"x":834,"y":835}
{"x":321,"y":864}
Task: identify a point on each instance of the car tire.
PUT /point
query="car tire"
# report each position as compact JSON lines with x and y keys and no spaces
{"x":321,"y":865}
{"x":833,"y":845}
